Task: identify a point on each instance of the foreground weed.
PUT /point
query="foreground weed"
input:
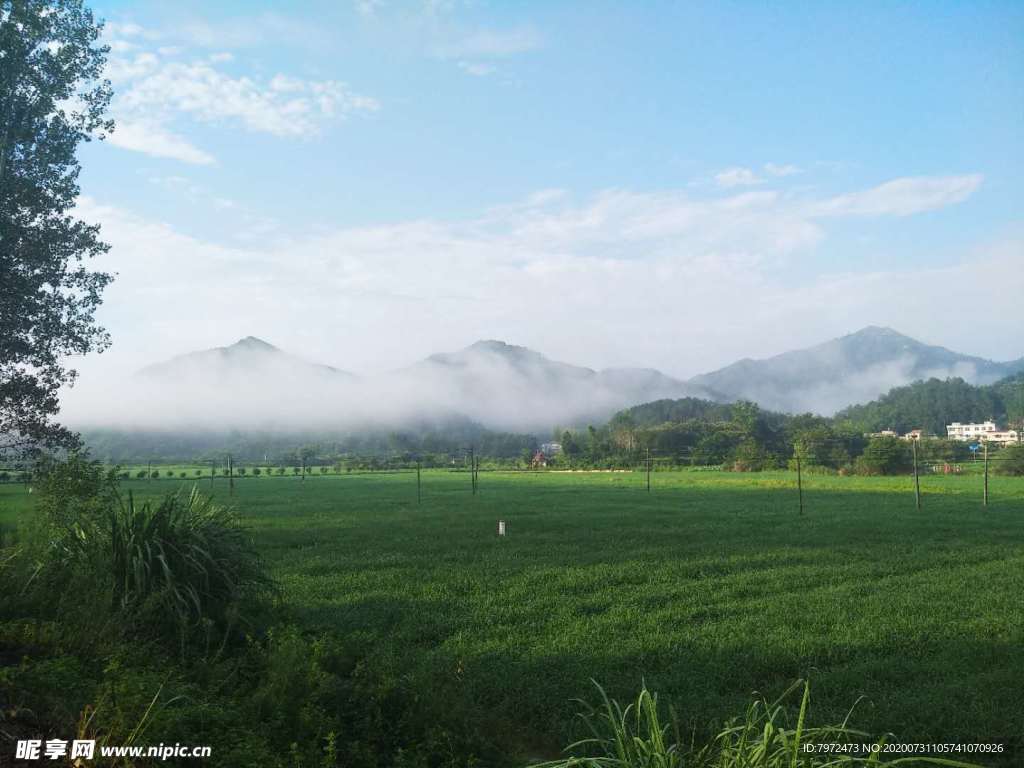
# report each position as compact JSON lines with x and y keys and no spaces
{"x":636,"y":737}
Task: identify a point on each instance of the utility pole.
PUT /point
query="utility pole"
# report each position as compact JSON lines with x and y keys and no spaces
{"x":648,"y":470}
{"x":149,"y":471}
{"x":986,"y":474}
{"x":213,"y":471}
{"x":917,"y":481}
{"x":799,"y":485}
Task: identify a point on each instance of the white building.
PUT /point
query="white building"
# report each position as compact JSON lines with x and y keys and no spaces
{"x":986,"y":431}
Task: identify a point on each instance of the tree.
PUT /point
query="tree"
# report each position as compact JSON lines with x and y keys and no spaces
{"x":52,"y":98}
{"x":885,"y":456}
{"x":1010,"y":460}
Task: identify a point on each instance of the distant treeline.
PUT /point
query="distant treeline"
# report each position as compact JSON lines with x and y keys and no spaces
{"x":742,"y":436}
{"x":684,"y":432}
{"x":289,"y":448}
{"x":931,"y":405}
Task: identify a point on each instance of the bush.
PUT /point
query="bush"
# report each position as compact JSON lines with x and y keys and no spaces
{"x":155,"y":474}
{"x":141,"y":474}
{"x":74,"y":494}
{"x":1010,"y":460}
{"x":885,"y":456}
{"x":241,"y":471}
{"x":256,"y":471}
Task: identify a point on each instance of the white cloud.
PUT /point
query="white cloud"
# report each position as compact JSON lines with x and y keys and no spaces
{"x":627,"y":278}
{"x":902,"y":197}
{"x":284,"y":106}
{"x":156,"y":141}
{"x":736,"y":177}
{"x":773,"y":169}
{"x":156,"y":91}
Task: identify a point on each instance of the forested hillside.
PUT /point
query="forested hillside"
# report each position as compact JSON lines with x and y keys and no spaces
{"x":932,"y":404}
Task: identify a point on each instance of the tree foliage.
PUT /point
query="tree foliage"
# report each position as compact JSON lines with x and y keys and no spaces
{"x":932,"y":404}
{"x":52,"y":98}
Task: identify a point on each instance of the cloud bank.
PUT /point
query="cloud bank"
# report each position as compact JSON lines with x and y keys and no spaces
{"x":622,"y":278}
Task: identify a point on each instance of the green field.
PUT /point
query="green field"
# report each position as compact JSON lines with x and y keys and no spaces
{"x":710,"y":587}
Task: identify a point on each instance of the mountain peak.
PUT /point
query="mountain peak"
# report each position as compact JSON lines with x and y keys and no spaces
{"x":854,"y":368}
{"x":493,"y":345}
{"x":879,"y":332}
{"x":251,"y":342}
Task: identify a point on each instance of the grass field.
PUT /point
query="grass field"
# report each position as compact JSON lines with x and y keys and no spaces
{"x":709,"y":587}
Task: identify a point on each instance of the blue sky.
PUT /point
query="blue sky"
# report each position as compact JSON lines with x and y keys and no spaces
{"x":369,"y":182}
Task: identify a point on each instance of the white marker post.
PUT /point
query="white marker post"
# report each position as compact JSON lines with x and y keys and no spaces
{"x":501,"y":527}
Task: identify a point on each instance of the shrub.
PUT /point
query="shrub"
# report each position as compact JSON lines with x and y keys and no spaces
{"x":1010,"y":460}
{"x":241,"y":471}
{"x":155,"y":474}
{"x":183,"y":474}
{"x":198,"y":472}
{"x":885,"y":456}
{"x":141,"y":474}
{"x":76,"y":493}
{"x":256,"y":471}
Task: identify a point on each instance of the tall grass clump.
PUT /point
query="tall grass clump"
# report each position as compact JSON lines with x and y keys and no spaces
{"x":636,"y":736}
{"x":186,"y":556}
{"x":182,"y":563}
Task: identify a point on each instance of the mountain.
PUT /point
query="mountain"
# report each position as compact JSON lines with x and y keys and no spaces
{"x":851,"y":369}
{"x":252,"y":385}
{"x":515,"y":388}
{"x":244,"y":359}
{"x":248,"y":385}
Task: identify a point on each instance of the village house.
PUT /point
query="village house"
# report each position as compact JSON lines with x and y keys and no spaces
{"x":987,"y":432}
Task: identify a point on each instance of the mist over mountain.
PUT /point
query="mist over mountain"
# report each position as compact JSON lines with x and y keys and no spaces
{"x":852,"y":369}
{"x":227,"y":366}
{"x":253,"y":386}
{"x":509,"y":387}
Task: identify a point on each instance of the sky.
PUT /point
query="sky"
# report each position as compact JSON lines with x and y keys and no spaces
{"x":672,"y":185}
